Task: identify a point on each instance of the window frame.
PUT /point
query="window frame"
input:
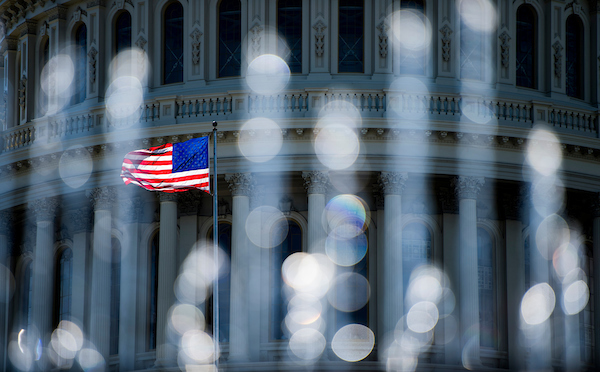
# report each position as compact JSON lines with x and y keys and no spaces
{"x":81,"y":62}
{"x":163,"y":23}
{"x":301,"y":40}
{"x":364,"y":36}
{"x":218,"y":37}
{"x":580,"y":55}
{"x":534,"y":46}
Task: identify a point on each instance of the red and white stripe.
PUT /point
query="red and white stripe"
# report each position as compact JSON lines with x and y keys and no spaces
{"x":152,"y":169}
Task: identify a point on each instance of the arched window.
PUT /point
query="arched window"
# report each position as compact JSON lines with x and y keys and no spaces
{"x":123,"y":32}
{"x":526,"y":42}
{"x":574,"y":54}
{"x":412,"y":61}
{"x":173,"y":44}
{"x":44,"y":58}
{"x":471,"y":41}
{"x":26,"y":295}
{"x":230,"y":38}
{"x":416,"y":249}
{"x":224,"y":285}
{"x":80,"y":64}
{"x":351,"y":36}
{"x":291,"y":244}
{"x":153,"y":291}
{"x":289,"y":27}
{"x":65,"y":284}
{"x":115,"y":295}
{"x":485,"y":265}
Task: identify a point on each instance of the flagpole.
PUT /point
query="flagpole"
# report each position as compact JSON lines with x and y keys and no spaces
{"x":215,"y":251}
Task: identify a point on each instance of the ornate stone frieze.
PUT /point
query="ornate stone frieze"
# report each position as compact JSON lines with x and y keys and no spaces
{"x":446,"y":31}
{"x":188,"y":202}
{"x":196,"y":35}
{"x":557,"y":58}
{"x":392,"y":183}
{"x":23,"y":92}
{"x":28,"y":27}
{"x":504,"y":48}
{"x":81,"y":220}
{"x":467,"y":187}
{"x":102,"y":198}
{"x":58,"y":12}
{"x":240,"y":184}
{"x":44,"y":208}
{"x":316,"y":182}
{"x":6,"y":221}
{"x":319,"y":27}
{"x":92,"y":62}
{"x":383,"y":28}
{"x":255,"y":40}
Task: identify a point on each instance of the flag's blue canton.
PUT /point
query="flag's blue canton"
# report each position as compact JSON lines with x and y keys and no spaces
{"x":190,"y":155}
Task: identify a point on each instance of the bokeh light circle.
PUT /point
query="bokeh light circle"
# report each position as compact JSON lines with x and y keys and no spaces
{"x":185,"y":317}
{"x":124,"y":98}
{"x":409,"y":98}
{"x":353,"y":342}
{"x":75,"y":166}
{"x":349,"y":292}
{"x":478,"y":15}
{"x":346,"y":216}
{"x":198,"y":346}
{"x":538,"y":304}
{"x":346,"y":252}
{"x":425,"y":285}
{"x":307,"y":344}
{"x":575,"y":297}
{"x":266,"y":227}
{"x":544,"y":151}
{"x":308,"y":273}
{"x":337,"y":146}
{"x":90,"y":359}
{"x":422,"y":316}
{"x":267,"y":74}
{"x":304,"y":309}
{"x":260,"y":140}
{"x":411,"y":30}
{"x":552,"y":233}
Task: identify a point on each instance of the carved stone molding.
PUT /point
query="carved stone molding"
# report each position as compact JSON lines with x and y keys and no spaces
{"x":44,"y":208}
{"x":196,"y":35}
{"x":78,"y":13}
{"x":58,"y":12}
{"x":383,"y":28}
{"x":446,"y":31}
{"x":557,"y":58}
{"x":102,"y":3}
{"x":240,"y":184}
{"x":102,"y":198}
{"x":316,"y":182}
{"x":44,"y":29}
{"x":141,"y":43}
{"x":6,"y":221}
{"x":392,"y":183}
{"x":28,"y":27}
{"x":23,"y":92}
{"x":504,"y":48}
{"x":255,"y":40}
{"x":81,"y":220}
{"x":319,"y":27}
{"x":467,"y":187}
{"x":92,"y":62}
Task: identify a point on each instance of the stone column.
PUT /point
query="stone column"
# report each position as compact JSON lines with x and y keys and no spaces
{"x":166,"y":353}
{"x":240,"y":185}
{"x":451,"y":267}
{"x":81,"y":220}
{"x":596,"y":284}
{"x":11,"y":86}
{"x":188,"y":204}
{"x":43,"y":273}
{"x":130,"y":210}
{"x":5,"y":226}
{"x":102,"y":199}
{"x":391,"y":185}
{"x":515,"y":280}
{"x":316,"y":183}
{"x":467,"y":189}
{"x":256,"y":286}
{"x":380,"y":261}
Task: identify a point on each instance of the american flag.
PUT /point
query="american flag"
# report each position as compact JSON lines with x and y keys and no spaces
{"x":170,"y":167}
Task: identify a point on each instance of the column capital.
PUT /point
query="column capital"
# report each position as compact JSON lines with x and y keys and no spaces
{"x":167,"y":197}
{"x":6,"y":220}
{"x":392,"y":183}
{"x":189,"y":202}
{"x":44,"y":208}
{"x":102,"y":198}
{"x":467,"y":187}
{"x":81,"y":220}
{"x":316,"y":182}
{"x":240,"y":184}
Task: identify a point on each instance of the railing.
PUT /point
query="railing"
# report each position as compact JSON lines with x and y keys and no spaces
{"x":70,"y":125}
{"x":19,"y":137}
{"x":203,"y":107}
{"x":293,"y":102}
{"x":362,"y":101}
{"x":573,"y":120}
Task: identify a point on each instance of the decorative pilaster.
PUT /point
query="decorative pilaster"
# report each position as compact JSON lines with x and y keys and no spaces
{"x":316,"y":184}
{"x":241,"y":186}
{"x":81,"y":225}
{"x":391,"y":303}
{"x":467,"y":189}
{"x":102,"y":199}
{"x":43,"y":272}
{"x":166,"y":354}
{"x":5,"y":226}
{"x":596,"y":270}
